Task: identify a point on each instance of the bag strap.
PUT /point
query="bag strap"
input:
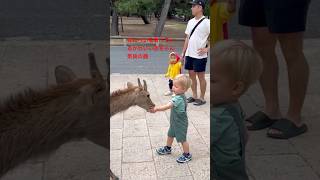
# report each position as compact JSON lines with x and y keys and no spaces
{"x":196,"y":27}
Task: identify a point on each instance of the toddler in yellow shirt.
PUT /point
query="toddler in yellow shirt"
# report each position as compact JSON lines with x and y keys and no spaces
{"x":174,"y":69}
{"x":220,"y":12}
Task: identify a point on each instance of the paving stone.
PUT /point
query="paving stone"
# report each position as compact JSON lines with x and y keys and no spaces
{"x":77,"y":160}
{"x":115,"y":162}
{"x":135,"y":128}
{"x":134,"y":113}
{"x":280,"y":167}
{"x":259,"y":144}
{"x":198,"y":117}
{"x":204,"y":131}
{"x":136,"y":149}
{"x":142,"y":171}
{"x":308,"y":147}
{"x":116,"y":121}
{"x":171,"y":170}
{"x":158,"y":131}
{"x":199,"y":167}
{"x":115,"y":139}
{"x":158,"y":119}
{"x":178,"y":178}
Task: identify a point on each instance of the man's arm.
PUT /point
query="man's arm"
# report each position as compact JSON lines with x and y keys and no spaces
{"x":184,"y":49}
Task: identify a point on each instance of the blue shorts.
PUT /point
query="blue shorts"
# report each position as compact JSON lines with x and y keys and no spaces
{"x":198,"y":65}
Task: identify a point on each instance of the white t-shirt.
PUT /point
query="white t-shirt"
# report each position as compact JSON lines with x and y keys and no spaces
{"x":199,"y":37}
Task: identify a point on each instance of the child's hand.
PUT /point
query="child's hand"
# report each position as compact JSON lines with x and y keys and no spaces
{"x":153,"y":110}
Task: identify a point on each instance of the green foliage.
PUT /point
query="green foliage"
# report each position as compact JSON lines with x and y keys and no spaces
{"x":183,"y":9}
{"x":135,"y":7}
{"x":180,"y":8}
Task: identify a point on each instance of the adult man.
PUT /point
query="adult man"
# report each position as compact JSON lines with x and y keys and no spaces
{"x":283,"y":21}
{"x":195,"y":51}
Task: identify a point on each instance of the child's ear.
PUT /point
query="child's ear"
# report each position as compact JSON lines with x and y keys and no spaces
{"x":238,"y":88}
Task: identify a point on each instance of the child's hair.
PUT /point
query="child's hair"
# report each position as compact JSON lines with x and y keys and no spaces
{"x":244,"y":63}
{"x":184,"y":80}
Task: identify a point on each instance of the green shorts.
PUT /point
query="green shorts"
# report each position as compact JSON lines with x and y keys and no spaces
{"x":180,"y":133}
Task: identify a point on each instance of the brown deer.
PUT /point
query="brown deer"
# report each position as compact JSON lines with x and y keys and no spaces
{"x":33,"y":122}
{"x":123,"y":99}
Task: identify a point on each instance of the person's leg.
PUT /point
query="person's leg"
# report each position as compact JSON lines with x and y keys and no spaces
{"x":170,"y":84}
{"x":298,"y":73}
{"x":169,"y":93}
{"x":185,"y":147}
{"x":166,"y":149}
{"x":264,"y":42}
{"x":186,"y":156}
{"x":200,"y":69}
{"x":169,"y":141}
{"x":189,"y":65}
{"x":193,"y":78}
{"x":203,"y":84}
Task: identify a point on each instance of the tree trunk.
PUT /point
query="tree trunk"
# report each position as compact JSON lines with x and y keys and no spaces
{"x":145,"y":19}
{"x":163,"y":17}
{"x":121,"y":24}
{"x":115,"y":23}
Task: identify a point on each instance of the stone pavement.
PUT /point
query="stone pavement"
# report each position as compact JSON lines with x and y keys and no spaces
{"x":297,"y":158}
{"x":135,"y":134}
{"x":31,"y":64}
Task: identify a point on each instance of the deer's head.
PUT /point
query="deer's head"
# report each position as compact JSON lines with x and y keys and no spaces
{"x":142,"y":99}
{"x":89,"y":102}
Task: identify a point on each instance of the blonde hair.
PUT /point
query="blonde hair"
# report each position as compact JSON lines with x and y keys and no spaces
{"x":244,"y":63}
{"x":184,"y":80}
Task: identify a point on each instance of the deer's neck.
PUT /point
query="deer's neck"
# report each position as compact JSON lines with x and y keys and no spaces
{"x":122,"y":102}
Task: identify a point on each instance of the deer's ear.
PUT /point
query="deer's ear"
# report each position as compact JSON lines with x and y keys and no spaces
{"x":129,"y":85}
{"x":139,"y":83}
{"x":145,"y":87}
{"x":64,"y":75}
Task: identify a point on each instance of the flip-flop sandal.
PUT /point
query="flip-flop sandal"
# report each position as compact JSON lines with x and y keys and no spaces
{"x":259,"y":120}
{"x":199,"y":102}
{"x":287,"y":128}
{"x":191,"y":100}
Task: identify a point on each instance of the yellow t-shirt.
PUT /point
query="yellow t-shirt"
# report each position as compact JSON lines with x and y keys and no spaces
{"x":173,"y":70}
{"x":219,"y":15}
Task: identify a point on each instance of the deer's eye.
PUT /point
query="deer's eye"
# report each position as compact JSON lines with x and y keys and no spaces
{"x":148,"y":95}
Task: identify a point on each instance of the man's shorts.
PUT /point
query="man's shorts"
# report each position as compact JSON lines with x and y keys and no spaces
{"x":280,"y":16}
{"x":198,"y":65}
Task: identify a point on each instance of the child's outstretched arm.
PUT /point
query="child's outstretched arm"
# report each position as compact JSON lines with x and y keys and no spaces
{"x":162,"y":108}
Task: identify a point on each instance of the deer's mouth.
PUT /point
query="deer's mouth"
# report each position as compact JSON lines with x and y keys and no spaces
{"x":151,"y":107}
